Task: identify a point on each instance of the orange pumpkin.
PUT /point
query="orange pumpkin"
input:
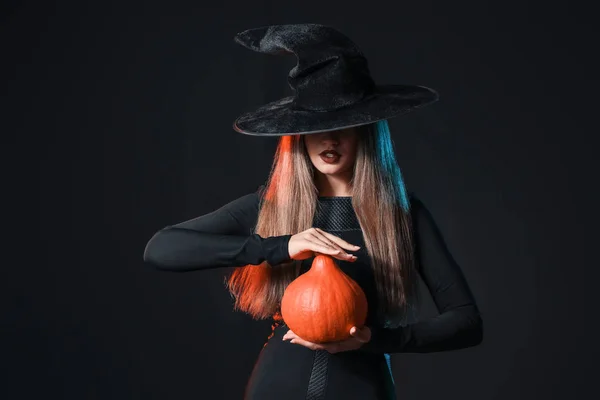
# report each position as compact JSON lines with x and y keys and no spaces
{"x":323,"y":304}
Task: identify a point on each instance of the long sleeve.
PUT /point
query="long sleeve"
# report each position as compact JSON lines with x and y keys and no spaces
{"x":459,"y":323}
{"x":222,"y":238}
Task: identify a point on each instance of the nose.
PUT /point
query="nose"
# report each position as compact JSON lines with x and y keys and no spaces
{"x":331,"y":137}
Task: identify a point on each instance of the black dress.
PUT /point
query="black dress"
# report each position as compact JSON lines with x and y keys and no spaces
{"x":226,"y":238}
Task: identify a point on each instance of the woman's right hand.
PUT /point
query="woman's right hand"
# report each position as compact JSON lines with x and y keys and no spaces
{"x":312,"y":241}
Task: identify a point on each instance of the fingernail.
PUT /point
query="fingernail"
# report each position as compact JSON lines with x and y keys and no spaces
{"x":356,"y":247}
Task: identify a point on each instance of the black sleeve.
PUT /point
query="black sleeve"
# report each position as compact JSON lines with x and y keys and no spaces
{"x":222,"y":238}
{"x":459,"y":324}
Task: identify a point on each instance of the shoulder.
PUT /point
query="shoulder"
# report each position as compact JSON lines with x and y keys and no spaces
{"x":255,"y":198}
{"x":260,"y":191}
{"x":415,"y":203}
{"x":419,"y":211}
{"x":245,"y":206}
{"x":243,"y":209}
{"x":248,"y":200}
{"x":424,"y":222}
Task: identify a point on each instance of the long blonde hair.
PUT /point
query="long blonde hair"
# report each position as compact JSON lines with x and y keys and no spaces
{"x":382,"y":207}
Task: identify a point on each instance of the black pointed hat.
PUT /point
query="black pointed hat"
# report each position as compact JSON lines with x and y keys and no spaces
{"x":333,"y":88}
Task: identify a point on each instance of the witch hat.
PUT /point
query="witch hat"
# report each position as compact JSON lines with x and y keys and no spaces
{"x":332,"y":85}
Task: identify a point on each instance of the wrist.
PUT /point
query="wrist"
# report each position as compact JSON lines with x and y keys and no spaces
{"x":275,"y":249}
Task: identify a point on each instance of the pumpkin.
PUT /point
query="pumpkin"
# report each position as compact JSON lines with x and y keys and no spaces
{"x":323,"y":304}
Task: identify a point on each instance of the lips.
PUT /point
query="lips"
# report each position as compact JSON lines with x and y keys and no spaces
{"x":330,"y":156}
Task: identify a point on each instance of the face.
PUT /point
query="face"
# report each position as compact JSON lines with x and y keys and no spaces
{"x":343,"y":141}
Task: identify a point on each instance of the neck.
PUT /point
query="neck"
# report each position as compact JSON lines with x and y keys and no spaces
{"x":333,"y":185}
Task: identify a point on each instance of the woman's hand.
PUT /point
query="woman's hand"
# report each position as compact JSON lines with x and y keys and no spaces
{"x":359,"y":337}
{"x":312,"y":241}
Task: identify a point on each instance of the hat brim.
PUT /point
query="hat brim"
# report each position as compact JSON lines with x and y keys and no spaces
{"x":279,"y":118}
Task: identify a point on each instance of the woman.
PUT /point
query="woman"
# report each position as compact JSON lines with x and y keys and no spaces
{"x":335,"y":188}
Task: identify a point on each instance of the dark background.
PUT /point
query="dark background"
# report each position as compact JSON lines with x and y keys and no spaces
{"x":116,"y":121}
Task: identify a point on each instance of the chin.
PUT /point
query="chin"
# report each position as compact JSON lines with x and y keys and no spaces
{"x":329,"y":169}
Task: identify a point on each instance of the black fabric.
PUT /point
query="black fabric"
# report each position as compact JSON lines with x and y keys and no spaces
{"x":333,"y":88}
{"x":226,"y":238}
{"x":317,"y":384}
{"x":222,"y":238}
{"x":335,"y":214}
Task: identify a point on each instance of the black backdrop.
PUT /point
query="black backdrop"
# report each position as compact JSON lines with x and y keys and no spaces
{"x":116,"y":121}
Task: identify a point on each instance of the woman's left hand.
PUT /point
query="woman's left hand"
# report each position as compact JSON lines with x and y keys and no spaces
{"x":357,"y":339}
